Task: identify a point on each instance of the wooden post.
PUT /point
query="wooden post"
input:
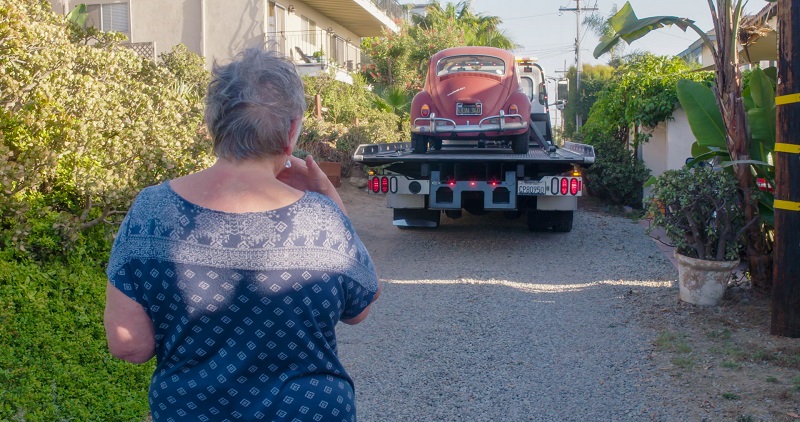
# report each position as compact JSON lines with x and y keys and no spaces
{"x":786,"y":273}
{"x":318,"y":106}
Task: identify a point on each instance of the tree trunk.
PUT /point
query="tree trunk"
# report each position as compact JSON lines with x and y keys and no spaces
{"x":731,"y":104}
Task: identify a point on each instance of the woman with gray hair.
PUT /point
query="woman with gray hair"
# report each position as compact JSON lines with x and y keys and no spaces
{"x":235,"y":276}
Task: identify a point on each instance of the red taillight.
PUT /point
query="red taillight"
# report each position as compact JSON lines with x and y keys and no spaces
{"x":425,"y":111}
{"x":573,"y":186}
{"x":375,"y":184}
{"x":564,"y":186}
{"x":384,"y":184}
{"x":513,"y":109}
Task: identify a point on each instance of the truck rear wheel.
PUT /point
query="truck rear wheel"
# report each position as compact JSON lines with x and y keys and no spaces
{"x":519,"y":143}
{"x":562,"y":221}
{"x":419,"y":143}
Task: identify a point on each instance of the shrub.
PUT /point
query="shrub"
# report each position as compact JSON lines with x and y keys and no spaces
{"x":617,"y":176}
{"x":83,"y":128}
{"x":54,"y":363}
{"x":700,"y":211}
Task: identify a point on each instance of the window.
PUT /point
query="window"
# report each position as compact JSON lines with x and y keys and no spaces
{"x":109,"y":17}
{"x":476,"y":63}
{"x":309,"y":29}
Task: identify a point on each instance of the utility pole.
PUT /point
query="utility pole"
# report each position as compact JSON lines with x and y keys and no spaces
{"x":786,"y":273}
{"x":578,"y":65}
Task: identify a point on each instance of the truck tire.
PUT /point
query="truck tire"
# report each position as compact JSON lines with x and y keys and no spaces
{"x":562,"y":221}
{"x":537,"y":220}
{"x":419,"y":143}
{"x":519,"y":143}
{"x":436,"y":144}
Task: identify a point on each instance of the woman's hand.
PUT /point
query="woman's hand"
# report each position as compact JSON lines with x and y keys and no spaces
{"x":306,"y":175}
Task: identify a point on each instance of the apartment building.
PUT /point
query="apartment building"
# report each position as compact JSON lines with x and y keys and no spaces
{"x":316,"y":34}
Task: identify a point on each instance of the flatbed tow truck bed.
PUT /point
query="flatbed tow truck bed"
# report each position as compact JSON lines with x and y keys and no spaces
{"x":382,"y":154}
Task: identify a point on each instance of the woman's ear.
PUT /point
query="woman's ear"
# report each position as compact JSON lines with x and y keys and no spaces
{"x":294,"y":134}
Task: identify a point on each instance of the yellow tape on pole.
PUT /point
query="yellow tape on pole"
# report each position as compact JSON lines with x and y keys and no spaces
{"x":787,"y":205}
{"x":787,"y":99}
{"x":787,"y":148}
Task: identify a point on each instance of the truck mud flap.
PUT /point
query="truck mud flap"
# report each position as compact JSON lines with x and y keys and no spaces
{"x":406,"y":218}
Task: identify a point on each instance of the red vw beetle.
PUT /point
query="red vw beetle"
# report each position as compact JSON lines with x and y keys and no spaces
{"x":471,"y":93}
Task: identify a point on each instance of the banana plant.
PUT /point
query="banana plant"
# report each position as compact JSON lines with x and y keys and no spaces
{"x":707,"y":126}
{"x":726,"y":17}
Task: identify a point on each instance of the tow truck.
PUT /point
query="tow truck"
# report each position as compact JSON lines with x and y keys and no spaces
{"x":458,"y":174}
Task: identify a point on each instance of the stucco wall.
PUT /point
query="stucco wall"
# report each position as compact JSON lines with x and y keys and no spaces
{"x":670,"y":145}
{"x":679,"y":140}
{"x":168,"y":23}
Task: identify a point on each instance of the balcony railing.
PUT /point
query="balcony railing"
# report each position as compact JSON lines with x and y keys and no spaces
{"x":392,"y":8}
{"x":318,"y":46}
{"x":144,"y":49}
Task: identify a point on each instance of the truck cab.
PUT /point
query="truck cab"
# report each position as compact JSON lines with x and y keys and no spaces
{"x":532,"y":82}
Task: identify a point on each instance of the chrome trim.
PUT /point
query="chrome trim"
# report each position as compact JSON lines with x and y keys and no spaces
{"x":445,"y":125}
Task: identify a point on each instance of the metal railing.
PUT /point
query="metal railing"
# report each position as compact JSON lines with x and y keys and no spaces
{"x":392,"y":8}
{"x":319,"y":46}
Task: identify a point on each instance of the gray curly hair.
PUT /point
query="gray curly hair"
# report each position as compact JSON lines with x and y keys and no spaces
{"x":251,"y":104}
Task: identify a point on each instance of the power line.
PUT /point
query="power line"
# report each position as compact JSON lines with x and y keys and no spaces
{"x":578,"y":37}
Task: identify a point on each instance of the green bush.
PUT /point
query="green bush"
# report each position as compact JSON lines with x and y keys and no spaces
{"x":617,"y":176}
{"x":353,"y":115}
{"x":54,"y":363}
{"x":84,"y":127}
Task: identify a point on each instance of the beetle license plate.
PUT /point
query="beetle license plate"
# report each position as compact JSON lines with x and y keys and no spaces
{"x":531,"y":187}
{"x":468,"y":109}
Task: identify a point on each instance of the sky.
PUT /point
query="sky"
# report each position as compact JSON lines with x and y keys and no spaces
{"x":549,"y":35}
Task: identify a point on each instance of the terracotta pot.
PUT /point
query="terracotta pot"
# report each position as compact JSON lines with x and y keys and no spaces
{"x":333,"y":170}
{"x":703,"y":282}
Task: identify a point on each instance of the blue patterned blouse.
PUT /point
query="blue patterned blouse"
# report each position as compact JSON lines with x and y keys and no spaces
{"x":244,"y":306}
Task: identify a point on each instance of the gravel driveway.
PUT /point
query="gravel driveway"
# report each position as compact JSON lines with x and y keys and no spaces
{"x":482,"y":320}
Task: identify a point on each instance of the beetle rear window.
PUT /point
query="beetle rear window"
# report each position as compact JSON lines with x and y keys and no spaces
{"x":471,"y":63}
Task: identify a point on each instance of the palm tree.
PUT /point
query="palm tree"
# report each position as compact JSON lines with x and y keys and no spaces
{"x":478,"y":29}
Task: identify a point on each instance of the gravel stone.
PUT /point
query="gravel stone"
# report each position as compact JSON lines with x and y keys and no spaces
{"x":482,"y":320}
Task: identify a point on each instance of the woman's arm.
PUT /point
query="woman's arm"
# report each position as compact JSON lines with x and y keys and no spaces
{"x":129,"y":330}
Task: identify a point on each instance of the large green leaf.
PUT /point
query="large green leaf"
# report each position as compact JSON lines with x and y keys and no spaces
{"x":762,"y":116}
{"x":629,"y":28}
{"x":78,"y":15}
{"x":704,"y":117}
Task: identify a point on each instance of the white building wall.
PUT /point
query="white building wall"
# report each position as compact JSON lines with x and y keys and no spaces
{"x":679,"y":140}
{"x":670,"y":145}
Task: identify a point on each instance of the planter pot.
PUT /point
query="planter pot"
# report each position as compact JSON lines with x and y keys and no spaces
{"x":333,"y":170}
{"x":703,"y":282}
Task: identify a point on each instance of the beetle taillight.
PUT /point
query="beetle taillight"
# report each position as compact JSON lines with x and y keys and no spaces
{"x":513,"y":109}
{"x":425,"y":111}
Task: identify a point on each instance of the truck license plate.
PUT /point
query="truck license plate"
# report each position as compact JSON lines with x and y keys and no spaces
{"x":468,"y":109}
{"x":531,"y":187}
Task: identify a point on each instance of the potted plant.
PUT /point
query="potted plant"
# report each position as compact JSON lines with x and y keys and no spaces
{"x":319,"y":56}
{"x":701,"y":213}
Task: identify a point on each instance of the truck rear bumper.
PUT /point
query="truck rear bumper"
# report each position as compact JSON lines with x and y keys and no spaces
{"x":492,"y":125}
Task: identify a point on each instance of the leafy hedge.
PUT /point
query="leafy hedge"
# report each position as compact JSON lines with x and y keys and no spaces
{"x":85,"y":124}
{"x":641,"y":94}
{"x":54,"y":363}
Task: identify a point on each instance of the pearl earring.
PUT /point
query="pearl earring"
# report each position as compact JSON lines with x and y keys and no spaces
{"x":288,"y":164}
